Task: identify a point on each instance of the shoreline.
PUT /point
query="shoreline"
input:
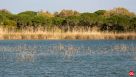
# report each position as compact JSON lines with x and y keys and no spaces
{"x":68,"y":36}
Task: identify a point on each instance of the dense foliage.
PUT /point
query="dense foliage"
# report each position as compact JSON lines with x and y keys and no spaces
{"x":115,"y":20}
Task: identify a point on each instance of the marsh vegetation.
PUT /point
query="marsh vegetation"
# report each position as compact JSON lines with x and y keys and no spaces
{"x":118,"y":23}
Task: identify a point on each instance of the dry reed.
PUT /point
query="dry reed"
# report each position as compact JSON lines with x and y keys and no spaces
{"x":57,"y":33}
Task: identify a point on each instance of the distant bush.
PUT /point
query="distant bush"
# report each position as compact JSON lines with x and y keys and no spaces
{"x":115,"y":20}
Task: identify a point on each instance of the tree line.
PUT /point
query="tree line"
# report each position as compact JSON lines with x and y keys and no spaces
{"x":115,"y":20}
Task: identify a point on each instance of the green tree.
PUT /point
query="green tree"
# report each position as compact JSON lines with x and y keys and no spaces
{"x":2,"y":18}
{"x":30,"y":13}
{"x":100,"y":12}
{"x":23,"y":20}
{"x":132,"y":26}
{"x":57,"y":21}
{"x":6,"y":14}
{"x":9,"y":24}
{"x":117,"y":23}
{"x":88,"y":19}
{"x":72,"y":20}
{"x":41,"y":21}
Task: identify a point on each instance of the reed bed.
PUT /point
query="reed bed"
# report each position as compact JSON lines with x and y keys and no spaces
{"x":58,"y":34}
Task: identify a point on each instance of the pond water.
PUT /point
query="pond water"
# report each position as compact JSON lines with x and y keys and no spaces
{"x":67,"y":58}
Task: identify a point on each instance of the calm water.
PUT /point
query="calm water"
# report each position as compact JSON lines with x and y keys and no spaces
{"x":67,"y":58}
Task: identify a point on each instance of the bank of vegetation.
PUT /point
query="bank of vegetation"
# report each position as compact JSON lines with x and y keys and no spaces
{"x":117,"y":23}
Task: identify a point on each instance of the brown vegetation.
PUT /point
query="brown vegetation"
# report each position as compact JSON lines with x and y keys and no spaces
{"x":57,"y":33}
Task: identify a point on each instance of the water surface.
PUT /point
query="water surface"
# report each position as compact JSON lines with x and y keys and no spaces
{"x":67,"y":58}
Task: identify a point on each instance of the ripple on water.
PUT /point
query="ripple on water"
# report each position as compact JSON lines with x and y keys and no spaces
{"x":69,"y":60}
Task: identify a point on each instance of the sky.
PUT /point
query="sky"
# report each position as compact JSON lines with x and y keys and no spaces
{"x":16,"y":6}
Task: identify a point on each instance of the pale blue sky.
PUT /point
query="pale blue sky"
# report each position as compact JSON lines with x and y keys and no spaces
{"x":16,"y":6}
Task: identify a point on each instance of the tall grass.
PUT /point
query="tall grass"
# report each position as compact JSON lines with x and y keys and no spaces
{"x":57,"y":33}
